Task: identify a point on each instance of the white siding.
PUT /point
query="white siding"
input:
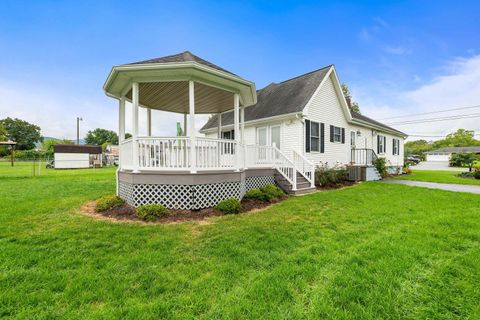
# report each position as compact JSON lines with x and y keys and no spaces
{"x":71,"y":160}
{"x":325,"y":107}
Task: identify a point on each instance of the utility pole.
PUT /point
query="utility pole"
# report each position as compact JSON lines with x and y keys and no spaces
{"x":78,"y":129}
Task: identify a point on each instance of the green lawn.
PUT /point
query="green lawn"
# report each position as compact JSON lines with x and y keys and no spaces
{"x":438,"y":176}
{"x":367,"y":252}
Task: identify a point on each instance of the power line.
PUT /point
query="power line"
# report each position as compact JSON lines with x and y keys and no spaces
{"x":431,"y":112}
{"x":463,"y":116}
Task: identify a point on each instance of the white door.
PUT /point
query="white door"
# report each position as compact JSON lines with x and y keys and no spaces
{"x":275,"y":136}
{"x":262,"y":139}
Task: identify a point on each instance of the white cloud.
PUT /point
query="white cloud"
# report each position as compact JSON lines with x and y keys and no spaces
{"x":399,"y":50}
{"x":457,"y":86}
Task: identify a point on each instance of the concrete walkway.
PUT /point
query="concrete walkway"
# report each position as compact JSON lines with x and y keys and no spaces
{"x":435,"y":185}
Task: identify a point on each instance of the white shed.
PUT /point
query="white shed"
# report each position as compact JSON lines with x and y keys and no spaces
{"x":71,"y":156}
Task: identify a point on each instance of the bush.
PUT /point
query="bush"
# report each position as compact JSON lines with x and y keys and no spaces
{"x":466,"y":159}
{"x":381,"y":165}
{"x":151,"y":212}
{"x":407,"y":170}
{"x":325,"y":176}
{"x":271,"y":192}
{"x":476,"y":174}
{"x":109,"y":202}
{"x":254,"y":194}
{"x":229,"y":206}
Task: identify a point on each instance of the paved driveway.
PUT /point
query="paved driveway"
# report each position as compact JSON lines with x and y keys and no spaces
{"x":435,"y":185}
{"x":436,"y":165}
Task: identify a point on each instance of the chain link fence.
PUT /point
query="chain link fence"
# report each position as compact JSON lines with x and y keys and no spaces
{"x":37,"y":167}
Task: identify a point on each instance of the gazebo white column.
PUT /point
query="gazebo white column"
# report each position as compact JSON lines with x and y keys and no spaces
{"x":219,"y":125}
{"x":135,"y":127}
{"x":242,"y":136}
{"x":149,"y":122}
{"x":193,"y":144}
{"x":185,"y":124}
{"x":121,"y":127}
{"x":236,"y":105}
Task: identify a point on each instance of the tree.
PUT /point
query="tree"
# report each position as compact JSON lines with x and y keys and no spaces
{"x":24,"y":133}
{"x":460,"y":138}
{"x":464,"y":159}
{"x":348,"y":96}
{"x":100,"y":136}
{"x":47,"y":145}
{"x":417,"y":147}
{"x":3,"y":133}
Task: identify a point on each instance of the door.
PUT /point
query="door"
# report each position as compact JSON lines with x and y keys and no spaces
{"x":262,"y":140}
{"x":275,"y":136}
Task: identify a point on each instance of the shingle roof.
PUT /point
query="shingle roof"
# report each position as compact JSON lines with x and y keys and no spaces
{"x":286,"y":97}
{"x":185,"y":56}
{"x":361,"y":117}
{"x":455,"y":150}
{"x":76,"y":148}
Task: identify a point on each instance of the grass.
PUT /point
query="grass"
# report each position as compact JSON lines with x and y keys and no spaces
{"x":26,"y":169}
{"x":438,"y":176}
{"x":367,"y":252}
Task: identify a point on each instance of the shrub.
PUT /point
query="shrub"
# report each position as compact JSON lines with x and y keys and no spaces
{"x":381,"y":165}
{"x":466,"y":159}
{"x":229,"y":206}
{"x":407,"y":170}
{"x":254,"y":194}
{"x":109,"y":202}
{"x":325,"y":176}
{"x":476,"y":174}
{"x":271,"y":192}
{"x":151,"y":212}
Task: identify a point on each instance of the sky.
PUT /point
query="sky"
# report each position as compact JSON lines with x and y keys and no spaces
{"x":398,"y":57}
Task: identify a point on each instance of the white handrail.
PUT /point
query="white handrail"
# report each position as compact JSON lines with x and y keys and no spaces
{"x":305,"y":167}
{"x":285,"y":166}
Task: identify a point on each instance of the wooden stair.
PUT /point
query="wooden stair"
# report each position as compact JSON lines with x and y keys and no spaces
{"x":303,"y":185}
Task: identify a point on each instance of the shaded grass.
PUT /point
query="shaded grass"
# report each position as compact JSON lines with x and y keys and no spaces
{"x":370,"y":251}
{"x":438,"y":176}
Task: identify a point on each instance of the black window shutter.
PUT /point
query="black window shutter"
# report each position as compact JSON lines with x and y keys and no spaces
{"x":322,"y":138}
{"x":331,"y":133}
{"x":307,"y":135}
{"x":343,"y":135}
{"x":233,"y":135}
{"x":384,"y":144}
{"x":378,"y":144}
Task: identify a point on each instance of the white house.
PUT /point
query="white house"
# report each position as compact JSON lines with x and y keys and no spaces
{"x":309,"y":114}
{"x":274,"y":135}
{"x":71,"y":156}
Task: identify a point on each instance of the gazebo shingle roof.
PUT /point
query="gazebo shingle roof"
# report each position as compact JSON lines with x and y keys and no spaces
{"x":185,"y":56}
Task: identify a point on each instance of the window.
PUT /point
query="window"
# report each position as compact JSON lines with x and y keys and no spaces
{"x":230,"y":135}
{"x":352,"y":138}
{"x":337,"y":134}
{"x":381,"y":144}
{"x":396,"y":147}
{"x":275,"y":136}
{"x":314,"y":136}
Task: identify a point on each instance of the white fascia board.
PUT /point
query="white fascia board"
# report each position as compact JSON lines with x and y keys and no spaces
{"x":379,"y":128}
{"x":257,"y":121}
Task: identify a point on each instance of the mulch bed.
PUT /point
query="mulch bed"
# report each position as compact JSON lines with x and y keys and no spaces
{"x":336,"y":186}
{"x":126,"y":213}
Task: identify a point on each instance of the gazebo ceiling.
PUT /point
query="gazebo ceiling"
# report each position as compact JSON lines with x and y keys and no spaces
{"x":163,"y":84}
{"x":173,"y":96}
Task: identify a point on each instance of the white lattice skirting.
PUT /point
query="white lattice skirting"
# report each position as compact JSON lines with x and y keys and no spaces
{"x":177,"y":196}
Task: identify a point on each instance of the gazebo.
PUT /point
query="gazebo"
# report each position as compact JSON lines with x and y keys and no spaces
{"x":187,"y":172}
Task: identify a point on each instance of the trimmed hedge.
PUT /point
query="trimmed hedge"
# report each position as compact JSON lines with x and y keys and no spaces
{"x":229,"y":206}
{"x":151,"y":212}
{"x":109,"y":202}
{"x":266,"y":193}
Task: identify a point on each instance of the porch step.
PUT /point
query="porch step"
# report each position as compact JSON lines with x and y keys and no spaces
{"x":303,"y":186}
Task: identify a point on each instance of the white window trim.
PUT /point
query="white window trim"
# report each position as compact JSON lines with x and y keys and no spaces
{"x":353,"y":142}
{"x":340,"y":134}
{"x":319,"y":137}
{"x":382,"y":141}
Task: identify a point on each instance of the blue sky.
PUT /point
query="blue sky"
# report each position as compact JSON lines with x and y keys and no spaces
{"x":398,"y":57}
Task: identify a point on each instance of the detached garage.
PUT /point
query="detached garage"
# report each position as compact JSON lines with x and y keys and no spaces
{"x":71,"y":156}
{"x":444,"y":154}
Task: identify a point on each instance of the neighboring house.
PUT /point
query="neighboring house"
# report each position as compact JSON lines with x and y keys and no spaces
{"x":310,"y":115}
{"x":72,"y":156}
{"x":276,"y":135}
{"x":444,"y":154}
{"x":110,"y":155}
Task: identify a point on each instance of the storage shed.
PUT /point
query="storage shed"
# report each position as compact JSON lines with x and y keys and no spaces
{"x":72,"y":156}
